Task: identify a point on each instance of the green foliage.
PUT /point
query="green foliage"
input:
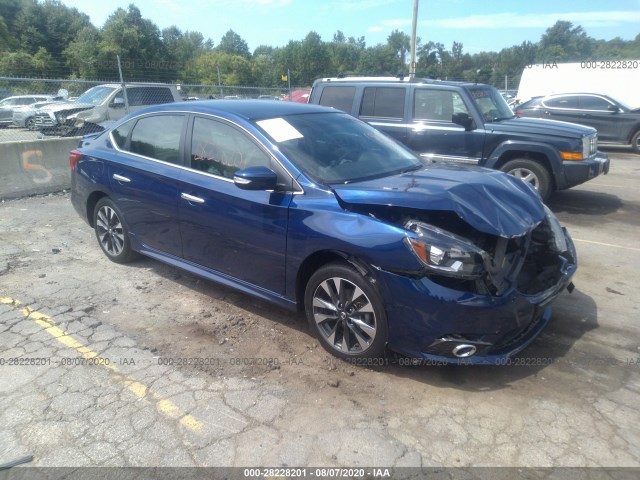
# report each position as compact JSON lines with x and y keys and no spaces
{"x":46,"y":39}
{"x":233,"y":44}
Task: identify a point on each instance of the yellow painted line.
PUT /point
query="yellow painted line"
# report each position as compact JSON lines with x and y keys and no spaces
{"x":607,"y":244}
{"x":140,"y":390}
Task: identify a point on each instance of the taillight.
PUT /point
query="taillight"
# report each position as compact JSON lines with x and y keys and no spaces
{"x":74,"y":156}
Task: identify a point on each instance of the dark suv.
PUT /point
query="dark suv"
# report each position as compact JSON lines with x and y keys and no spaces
{"x":468,"y":123}
{"x":616,"y":123}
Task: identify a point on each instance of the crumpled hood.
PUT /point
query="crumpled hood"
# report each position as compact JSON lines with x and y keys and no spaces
{"x":57,"y":107}
{"x":490,"y":201}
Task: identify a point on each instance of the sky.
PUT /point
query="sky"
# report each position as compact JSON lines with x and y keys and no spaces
{"x":480,"y":25}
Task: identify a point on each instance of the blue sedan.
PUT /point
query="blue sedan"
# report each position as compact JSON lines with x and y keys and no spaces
{"x":312,"y":209}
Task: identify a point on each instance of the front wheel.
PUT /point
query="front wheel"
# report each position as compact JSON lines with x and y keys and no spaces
{"x":635,"y":142}
{"x":346,"y":313}
{"x":531,"y":172}
{"x":111,"y":232}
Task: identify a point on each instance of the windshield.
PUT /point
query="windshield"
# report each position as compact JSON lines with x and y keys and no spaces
{"x":491,"y":104}
{"x":95,"y":95}
{"x":335,"y":148}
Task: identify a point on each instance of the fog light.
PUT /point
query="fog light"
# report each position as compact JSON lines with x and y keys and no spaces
{"x":464,"y":350}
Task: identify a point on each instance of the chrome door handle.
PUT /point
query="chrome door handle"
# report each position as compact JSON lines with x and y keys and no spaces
{"x":120,"y":178}
{"x":191,"y":198}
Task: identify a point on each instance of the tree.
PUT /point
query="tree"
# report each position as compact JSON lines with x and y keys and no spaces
{"x":49,"y":25}
{"x":565,"y":43}
{"x":400,"y":42}
{"x":339,"y":37}
{"x":82,"y":54}
{"x":138,"y":43}
{"x":379,"y":60}
{"x":312,"y":59}
{"x":233,"y":44}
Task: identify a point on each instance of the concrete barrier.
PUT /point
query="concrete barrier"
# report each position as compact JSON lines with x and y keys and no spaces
{"x":35,"y":166}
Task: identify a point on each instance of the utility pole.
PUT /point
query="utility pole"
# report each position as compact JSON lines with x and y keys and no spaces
{"x":412,"y":66}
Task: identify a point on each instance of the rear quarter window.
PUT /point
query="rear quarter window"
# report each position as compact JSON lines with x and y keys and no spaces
{"x":340,"y":97}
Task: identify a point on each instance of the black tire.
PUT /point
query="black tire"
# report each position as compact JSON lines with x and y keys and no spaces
{"x":532,"y":172}
{"x":111,"y":232}
{"x":30,"y":123}
{"x":346,"y":313}
{"x":635,"y":142}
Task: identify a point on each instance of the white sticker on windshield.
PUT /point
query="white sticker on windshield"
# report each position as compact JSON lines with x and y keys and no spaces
{"x":279,"y":129}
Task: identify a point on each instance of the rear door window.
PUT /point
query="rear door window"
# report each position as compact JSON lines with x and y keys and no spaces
{"x":562,"y":102}
{"x":383,"y":102}
{"x":340,"y":97}
{"x":158,"y":137}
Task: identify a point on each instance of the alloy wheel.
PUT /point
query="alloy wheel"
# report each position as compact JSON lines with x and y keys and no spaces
{"x":344,"y":315}
{"x":110,"y":231}
{"x":526,"y":175}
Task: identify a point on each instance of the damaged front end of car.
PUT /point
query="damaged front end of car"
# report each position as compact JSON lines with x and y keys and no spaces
{"x":486,"y":270}
{"x":492,"y":265}
{"x":495,"y":290}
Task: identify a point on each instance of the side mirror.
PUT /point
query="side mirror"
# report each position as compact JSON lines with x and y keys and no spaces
{"x":255,"y":178}
{"x":613,"y":108}
{"x":117,"y":102}
{"x":464,"y":120}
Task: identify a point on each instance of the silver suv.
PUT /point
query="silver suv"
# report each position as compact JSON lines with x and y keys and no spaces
{"x":8,"y":105}
{"x":100,"y":106}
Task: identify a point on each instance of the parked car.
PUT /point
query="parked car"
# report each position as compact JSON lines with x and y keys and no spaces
{"x":311,"y":209}
{"x":8,"y":105}
{"x":25,"y":116}
{"x":615,"y":122}
{"x":299,"y":96}
{"x":468,"y":123}
{"x":99,"y":107}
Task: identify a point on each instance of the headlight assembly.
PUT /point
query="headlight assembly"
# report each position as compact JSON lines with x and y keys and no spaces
{"x":559,"y":239}
{"x":445,"y":253}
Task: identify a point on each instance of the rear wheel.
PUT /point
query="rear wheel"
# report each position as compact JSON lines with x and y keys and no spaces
{"x":111,"y":232}
{"x":531,"y":172}
{"x":30,"y":123}
{"x":346,"y":313}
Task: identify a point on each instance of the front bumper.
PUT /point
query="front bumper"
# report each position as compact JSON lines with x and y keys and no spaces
{"x":428,"y":321}
{"x":582,"y":171}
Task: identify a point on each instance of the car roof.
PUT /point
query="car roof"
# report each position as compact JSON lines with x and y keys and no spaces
{"x":247,"y":109}
{"x":397,"y":80}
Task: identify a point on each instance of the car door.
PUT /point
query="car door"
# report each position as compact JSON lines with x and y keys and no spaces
{"x":433,"y":132}
{"x":239,"y":233}
{"x":144,"y":176}
{"x":601,"y":114}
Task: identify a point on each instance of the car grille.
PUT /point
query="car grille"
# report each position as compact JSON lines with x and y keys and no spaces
{"x":43,"y":120}
{"x":593,"y":144}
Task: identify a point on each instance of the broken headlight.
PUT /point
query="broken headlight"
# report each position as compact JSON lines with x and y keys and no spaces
{"x":445,"y":253}
{"x":559,"y":239}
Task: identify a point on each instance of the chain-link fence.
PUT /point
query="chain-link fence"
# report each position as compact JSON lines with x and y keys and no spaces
{"x":33,"y":108}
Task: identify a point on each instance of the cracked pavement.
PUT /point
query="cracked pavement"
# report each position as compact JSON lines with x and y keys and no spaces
{"x":145,"y":365}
